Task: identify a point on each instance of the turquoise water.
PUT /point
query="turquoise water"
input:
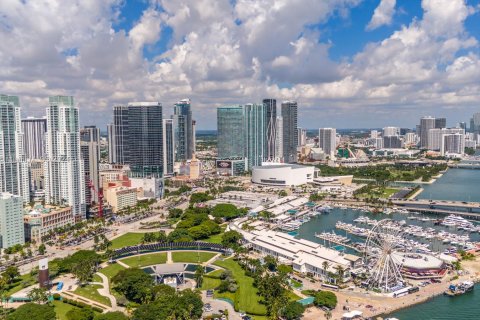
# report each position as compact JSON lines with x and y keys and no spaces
{"x":455,"y":184}
{"x":465,"y":307}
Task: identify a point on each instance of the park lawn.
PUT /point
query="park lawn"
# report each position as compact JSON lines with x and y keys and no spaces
{"x":23,"y":281}
{"x":210,"y":283}
{"x":216,"y":238}
{"x":128,"y":239}
{"x":388,"y":192}
{"x":146,"y":260}
{"x":96,"y":278}
{"x":192,"y":256}
{"x":111,"y":271}
{"x":215,"y":274}
{"x":246,"y":296}
{"x":89,"y":291}
{"x":61,"y":309}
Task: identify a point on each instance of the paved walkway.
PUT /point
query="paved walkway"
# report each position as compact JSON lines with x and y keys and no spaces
{"x":169,"y":257}
{"x":123,"y":264}
{"x":220,"y":305}
{"x":105,"y":291}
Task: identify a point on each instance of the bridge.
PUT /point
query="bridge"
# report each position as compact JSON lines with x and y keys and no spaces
{"x":470,"y":210}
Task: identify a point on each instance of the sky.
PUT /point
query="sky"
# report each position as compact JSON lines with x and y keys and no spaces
{"x":348,"y":63}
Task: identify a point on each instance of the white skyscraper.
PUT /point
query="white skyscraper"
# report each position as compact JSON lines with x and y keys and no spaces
{"x":302,"y":137}
{"x":435,"y":137}
{"x":90,"y":150}
{"x":13,"y":165}
{"x":453,"y":144}
{"x":11,"y":220}
{"x":328,"y":141}
{"x":64,"y":172}
{"x":391,"y":131}
{"x":34,"y":137}
{"x":279,"y":139}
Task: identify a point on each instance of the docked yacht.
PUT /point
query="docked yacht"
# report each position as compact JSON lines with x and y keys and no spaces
{"x":456,"y":221}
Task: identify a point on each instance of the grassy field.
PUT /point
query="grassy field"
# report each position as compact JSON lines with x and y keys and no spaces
{"x":146,"y":260}
{"x":96,"y":278}
{"x":61,"y":309}
{"x":210,"y":283}
{"x":90,"y":292}
{"x":379,"y":192}
{"x":215,"y":274}
{"x":216,"y":238}
{"x":128,"y":239}
{"x":246,"y":298}
{"x":192,"y":256}
{"x":111,"y":270}
{"x":22,"y":282}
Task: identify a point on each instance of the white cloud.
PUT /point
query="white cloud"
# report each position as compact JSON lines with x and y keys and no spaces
{"x":224,"y":53}
{"x":382,"y":15}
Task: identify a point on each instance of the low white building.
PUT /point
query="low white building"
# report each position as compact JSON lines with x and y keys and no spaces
{"x":283,"y":175}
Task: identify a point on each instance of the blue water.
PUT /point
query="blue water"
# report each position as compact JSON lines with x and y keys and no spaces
{"x":455,"y":184}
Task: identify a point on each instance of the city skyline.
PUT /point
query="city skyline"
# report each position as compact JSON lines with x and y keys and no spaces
{"x":349,"y":64}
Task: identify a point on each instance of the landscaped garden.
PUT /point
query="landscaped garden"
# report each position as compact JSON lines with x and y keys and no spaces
{"x":89,"y":291}
{"x":146,"y":260}
{"x":192,"y":256}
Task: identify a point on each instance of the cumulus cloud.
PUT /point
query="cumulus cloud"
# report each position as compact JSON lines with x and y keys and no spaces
{"x":223,"y":52}
{"x":382,"y":15}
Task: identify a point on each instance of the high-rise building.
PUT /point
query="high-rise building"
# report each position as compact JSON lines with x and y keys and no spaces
{"x":11,"y":220}
{"x":120,"y":134}
{"x":410,"y":138}
{"x":391,"y":131}
{"x":476,"y":122}
{"x":231,"y":132}
{"x":138,"y":136}
{"x":168,"y":147}
{"x":302,"y":137}
{"x":13,"y":164}
{"x":392,"y":142}
{"x":327,"y":140}
{"x":256,"y":139}
{"x":290,"y":127}
{"x":183,"y":123}
{"x":111,"y":143}
{"x":64,"y":172}
{"x":271,"y":125}
{"x":463,"y":125}
{"x":373,"y":134}
{"x":279,"y":140}
{"x":34,"y":137}
{"x":453,"y":144}
{"x":426,"y":123}
{"x":90,"y":150}
{"x":440,"y":123}
{"x":435,"y":137}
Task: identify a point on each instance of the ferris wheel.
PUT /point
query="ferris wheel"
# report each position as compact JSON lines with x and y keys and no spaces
{"x":382,"y":260}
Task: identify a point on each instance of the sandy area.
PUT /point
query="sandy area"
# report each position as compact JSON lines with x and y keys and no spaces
{"x":358,"y":300}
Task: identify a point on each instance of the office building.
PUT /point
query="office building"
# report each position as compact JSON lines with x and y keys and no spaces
{"x":121,"y":197}
{"x":462,"y":125}
{"x":256,"y":134}
{"x":183,"y":126}
{"x":34,"y":137}
{"x":279,"y":140}
{"x":374,"y":134}
{"x":64,"y":172}
{"x":327,"y":140}
{"x":36,"y":175}
{"x":440,"y":123}
{"x":410,"y":138}
{"x":391,"y":131}
{"x":290,"y":128}
{"x":90,"y":150}
{"x":231,"y":132}
{"x":120,"y":134}
{"x":111,"y":143}
{"x":426,"y":123}
{"x":11,"y":220}
{"x":475,"y":122}
{"x":271,"y":128}
{"x":13,"y":164}
{"x":138,"y":136}
{"x":392,"y":142}
{"x":168,"y":147}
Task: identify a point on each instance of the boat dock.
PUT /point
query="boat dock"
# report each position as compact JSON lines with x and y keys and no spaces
{"x":335,"y":240}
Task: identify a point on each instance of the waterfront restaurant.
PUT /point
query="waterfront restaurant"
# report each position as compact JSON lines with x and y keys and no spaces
{"x":421,"y":266}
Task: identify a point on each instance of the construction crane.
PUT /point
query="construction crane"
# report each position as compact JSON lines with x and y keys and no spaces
{"x":100,"y":198}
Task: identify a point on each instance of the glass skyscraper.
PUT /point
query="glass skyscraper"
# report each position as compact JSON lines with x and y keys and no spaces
{"x":271,"y":127}
{"x":290,"y":128}
{"x":231,"y":132}
{"x":256,"y":134}
{"x":183,"y":124}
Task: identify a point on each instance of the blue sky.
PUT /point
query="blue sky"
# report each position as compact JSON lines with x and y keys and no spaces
{"x":348,"y":63}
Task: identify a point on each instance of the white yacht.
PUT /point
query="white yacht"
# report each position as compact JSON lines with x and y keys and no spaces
{"x":453,"y":220}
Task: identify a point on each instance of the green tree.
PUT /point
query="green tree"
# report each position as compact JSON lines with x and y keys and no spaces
{"x":38,"y":295}
{"x":225,"y":210}
{"x":272,"y":288}
{"x":80,"y":314}
{"x":231,"y":239}
{"x":200,"y":197}
{"x":117,"y":315}
{"x":134,"y":283}
{"x":199,"y":232}
{"x":325,"y":299}
{"x":84,"y":271}
{"x":270,"y":263}
{"x":33,"y":311}
{"x":293,"y":311}
{"x":199,"y":273}
{"x":42,"y":249}
{"x":11,"y":273}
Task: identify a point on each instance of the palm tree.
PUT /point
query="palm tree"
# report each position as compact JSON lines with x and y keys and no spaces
{"x":340,"y":273}
{"x":325,"y":266}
